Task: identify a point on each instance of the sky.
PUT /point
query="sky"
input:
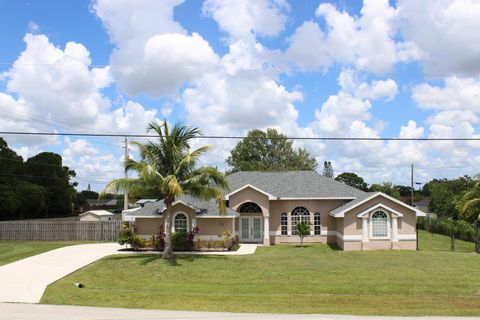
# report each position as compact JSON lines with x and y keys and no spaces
{"x":372,"y":68}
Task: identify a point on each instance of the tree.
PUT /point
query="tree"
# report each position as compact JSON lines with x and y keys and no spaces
{"x":328,"y":169}
{"x":268,"y":151}
{"x":353,"y":180}
{"x":469,"y":206}
{"x":168,"y":166}
{"x":387,"y":188}
{"x":45,"y":169}
{"x":447,"y":194}
{"x":303,"y":230}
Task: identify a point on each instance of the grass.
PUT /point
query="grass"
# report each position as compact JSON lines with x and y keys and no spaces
{"x":437,"y":242}
{"x":11,"y":251}
{"x":286,"y":279}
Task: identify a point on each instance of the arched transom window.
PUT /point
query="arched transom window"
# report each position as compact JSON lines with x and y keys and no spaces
{"x":180,"y":223}
{"x":317,"y":223}
{"x":284,"y":224}
{"x":250,"y":207}
{"x":299,"y":214}
{"x":379,"y":225}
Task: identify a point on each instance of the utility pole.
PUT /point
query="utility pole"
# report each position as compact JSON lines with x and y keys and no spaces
{"x":125,"y":194}
{"x":411,"y":186}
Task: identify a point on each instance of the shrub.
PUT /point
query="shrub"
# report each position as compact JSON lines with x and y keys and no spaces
{"x":191,"y":235}
{"x":137,"y":242}
{"x":125,"y":234}
{"x":158,"y":240}
{"x":179,"y":241}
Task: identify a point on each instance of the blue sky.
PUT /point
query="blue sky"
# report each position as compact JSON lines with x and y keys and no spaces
{"x":308,"y":68}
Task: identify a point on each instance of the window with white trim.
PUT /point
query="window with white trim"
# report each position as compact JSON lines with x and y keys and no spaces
{"x":284,"y":224}
{"x":250,"y":207}
{"x":180,"y":223}
{"x":317,"y":223}
{"x":379,"y":225}
{"x":299,"y":214}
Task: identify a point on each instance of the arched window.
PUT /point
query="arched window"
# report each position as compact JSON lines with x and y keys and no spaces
{"x":379,"y":225}
{"x":180,"y":223}
{"x":317,"y":223}
{"x":250,"y":207}
{"x":284,"y":224}
{"x":299,"y":214}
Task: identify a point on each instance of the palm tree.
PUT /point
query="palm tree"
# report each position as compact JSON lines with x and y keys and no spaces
{"x":168,"y":167}
{"x":470,"y":205}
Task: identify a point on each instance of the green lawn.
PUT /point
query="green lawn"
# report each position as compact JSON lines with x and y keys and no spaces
{"x":286,"y":279}
{"x":11,"y":251}
{"x":438,"y":242}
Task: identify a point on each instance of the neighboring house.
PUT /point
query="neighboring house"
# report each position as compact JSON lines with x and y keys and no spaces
{"x":101,"y":204}
{"x":96,"y":215}
{"x":142,"y":202}
{"x":264,"y":207}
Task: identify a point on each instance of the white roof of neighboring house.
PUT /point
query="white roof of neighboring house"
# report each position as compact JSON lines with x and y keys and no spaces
{"x":142,"y":201}
{"x":100,"y":213}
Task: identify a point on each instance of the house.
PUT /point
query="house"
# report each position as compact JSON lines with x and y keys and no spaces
{"x":141,"y":202}
{"x":264,"y":207}
{"x":96,"y":215}
{"x":101,"y":204}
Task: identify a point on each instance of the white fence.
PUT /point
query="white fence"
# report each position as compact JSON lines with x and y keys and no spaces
{"x":60,"y":230}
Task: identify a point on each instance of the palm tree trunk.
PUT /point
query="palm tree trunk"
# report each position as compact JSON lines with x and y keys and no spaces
{"x":168,"y":250}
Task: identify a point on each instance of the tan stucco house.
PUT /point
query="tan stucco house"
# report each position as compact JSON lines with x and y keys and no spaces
{"x":263,"y":207}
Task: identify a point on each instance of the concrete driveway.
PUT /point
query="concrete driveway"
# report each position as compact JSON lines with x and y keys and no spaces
{"x":52,"y":312}
{"x":25,"y":280}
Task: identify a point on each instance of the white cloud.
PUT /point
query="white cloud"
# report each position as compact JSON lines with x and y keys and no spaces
{"x":166,"y":62}
{"x":153,"y":53}
{"x":411,"y":131}
{"x":243,"y":19}
{"x":308,"y":48}
{"x":367,"y":41}
{"x":352,"y":103}
{"x":456,"y":94}
{"x":445,"y":32}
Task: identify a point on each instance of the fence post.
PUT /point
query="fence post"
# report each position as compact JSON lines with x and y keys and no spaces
{"x":452,"y":235}
{"x":416,"y":237}
{"x":477,"y":243}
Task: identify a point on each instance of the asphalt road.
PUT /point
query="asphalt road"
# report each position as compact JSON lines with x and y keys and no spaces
{"x":23,"y":311}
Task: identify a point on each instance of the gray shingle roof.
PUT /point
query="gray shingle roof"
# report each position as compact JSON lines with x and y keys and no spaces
{"x":352,"y":203}
{"x":290,"y":184}
{"x":293,"y":184}
{"x":203,"y":208}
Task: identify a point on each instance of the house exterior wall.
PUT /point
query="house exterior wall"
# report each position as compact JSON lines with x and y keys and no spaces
{"x":147,"y":227}
{"x":249,"y":195}
{"x":353,"y":227}
{"x":328,"y":223}
{"x":213,"y":227}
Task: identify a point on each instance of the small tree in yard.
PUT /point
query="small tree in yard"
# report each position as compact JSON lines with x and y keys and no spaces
{"x":303,"y":229}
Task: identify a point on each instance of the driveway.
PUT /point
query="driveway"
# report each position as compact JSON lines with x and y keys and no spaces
{"x":25,"y":280}
{"x":51,"y":312}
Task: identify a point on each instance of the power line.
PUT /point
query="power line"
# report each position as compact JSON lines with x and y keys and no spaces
{"x":237,"y":137}
{"x":55,"y":178}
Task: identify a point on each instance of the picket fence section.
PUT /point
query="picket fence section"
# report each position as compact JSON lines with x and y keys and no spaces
{"x":60,"y":230}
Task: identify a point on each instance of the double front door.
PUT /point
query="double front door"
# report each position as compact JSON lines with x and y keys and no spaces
{"x":250,"y":229}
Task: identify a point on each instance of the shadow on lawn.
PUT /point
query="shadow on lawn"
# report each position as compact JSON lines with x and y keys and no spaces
{"x":144,"y":259}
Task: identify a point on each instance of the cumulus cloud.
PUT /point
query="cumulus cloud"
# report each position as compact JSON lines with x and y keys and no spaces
{"x":243,"y":19}
{"x":308,"y":48}
{"x":456,"y":93}
{"x":153,"y":53}
{"x":445,"y":33}
{"x":352,"y":103}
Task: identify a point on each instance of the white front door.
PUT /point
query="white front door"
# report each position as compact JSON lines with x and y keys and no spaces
{"x":250,"y":229}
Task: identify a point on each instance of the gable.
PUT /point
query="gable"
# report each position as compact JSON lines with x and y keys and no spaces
{"x":380,"y":200}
